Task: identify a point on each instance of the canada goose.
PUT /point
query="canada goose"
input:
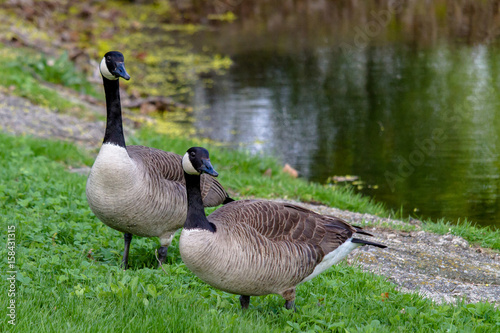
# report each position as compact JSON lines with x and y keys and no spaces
{"x":135,"y":189}
{"x":258,"y":247}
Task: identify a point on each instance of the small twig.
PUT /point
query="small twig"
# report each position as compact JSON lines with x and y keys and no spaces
{"x":161,"y":265}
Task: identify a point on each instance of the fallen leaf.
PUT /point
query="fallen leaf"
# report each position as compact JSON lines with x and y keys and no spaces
{"x":147,"y":108}
{"x":291,"y":171}
{"x":268,"y":173}
{"x":89,"y":254}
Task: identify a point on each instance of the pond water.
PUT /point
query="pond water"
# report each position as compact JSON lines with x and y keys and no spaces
{"x":417,"y":121}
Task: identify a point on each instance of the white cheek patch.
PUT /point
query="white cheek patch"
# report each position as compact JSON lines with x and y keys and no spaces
{"x":105,"y":71}
{"x":188,"y":166}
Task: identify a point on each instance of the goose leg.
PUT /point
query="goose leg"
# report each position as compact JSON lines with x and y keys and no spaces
{"x":162,"y":255}
{"x":165,"y":241}
{"x":289,"y":305}
{"x":244,"y":301}
{"x":128,"y":238}
{"x":289,"y":296}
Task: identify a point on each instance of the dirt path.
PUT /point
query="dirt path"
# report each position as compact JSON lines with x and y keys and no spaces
{"x":444,"y":268}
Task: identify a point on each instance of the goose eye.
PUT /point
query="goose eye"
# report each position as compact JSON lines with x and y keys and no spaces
{"x":193,"y":154}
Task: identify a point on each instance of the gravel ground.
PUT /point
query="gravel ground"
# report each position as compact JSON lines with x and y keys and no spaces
{"x":19,"y":116}
{"x":442,"y":267}
{"x":445,"y":268}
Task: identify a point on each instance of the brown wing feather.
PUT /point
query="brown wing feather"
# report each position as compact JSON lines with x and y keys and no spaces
{"x":212,"y":192}
{"x":290,"y":223}
{"x":167,"y":165}
{"x":164,"y":164}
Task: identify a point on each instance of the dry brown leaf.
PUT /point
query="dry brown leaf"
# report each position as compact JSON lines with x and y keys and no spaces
{"x":291,"y":171}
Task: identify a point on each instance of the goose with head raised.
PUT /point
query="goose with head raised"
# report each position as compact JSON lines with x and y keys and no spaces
{"x":135,"y":189}
{"x":258,"y":247}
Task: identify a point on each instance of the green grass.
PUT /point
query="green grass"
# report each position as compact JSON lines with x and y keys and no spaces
{"x":68,"y":277}
{"x":482,"y":236}
{"x":59,"y":70}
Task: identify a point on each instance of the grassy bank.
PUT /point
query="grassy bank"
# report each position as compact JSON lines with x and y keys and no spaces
{"x":244,"y":174}
{"x":68,"y":277}
{"x":29,"y":74}
{"x":25,"y":73}
{"x":67,"y":261}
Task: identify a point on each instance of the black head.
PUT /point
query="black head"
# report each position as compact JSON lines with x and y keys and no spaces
{"x":196,"y":161}
{"x":112,"y":66}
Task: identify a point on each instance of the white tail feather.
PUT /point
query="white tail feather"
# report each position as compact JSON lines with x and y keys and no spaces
{"x":333,"y":258}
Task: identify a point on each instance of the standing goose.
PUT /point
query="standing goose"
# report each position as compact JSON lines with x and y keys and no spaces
{"x":135,"y":189}
{"x":258,"y":247}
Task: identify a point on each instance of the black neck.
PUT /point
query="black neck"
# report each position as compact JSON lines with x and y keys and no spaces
{"x":196,"y":218}
{"x":114,"y":127}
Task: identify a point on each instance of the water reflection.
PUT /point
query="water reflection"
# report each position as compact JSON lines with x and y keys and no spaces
{"x":421,"y":123}
{"x":322,"y":22}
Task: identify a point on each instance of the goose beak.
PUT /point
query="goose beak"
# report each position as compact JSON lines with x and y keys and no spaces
{"x":120,"y":71}
{"x":208,"y":168}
